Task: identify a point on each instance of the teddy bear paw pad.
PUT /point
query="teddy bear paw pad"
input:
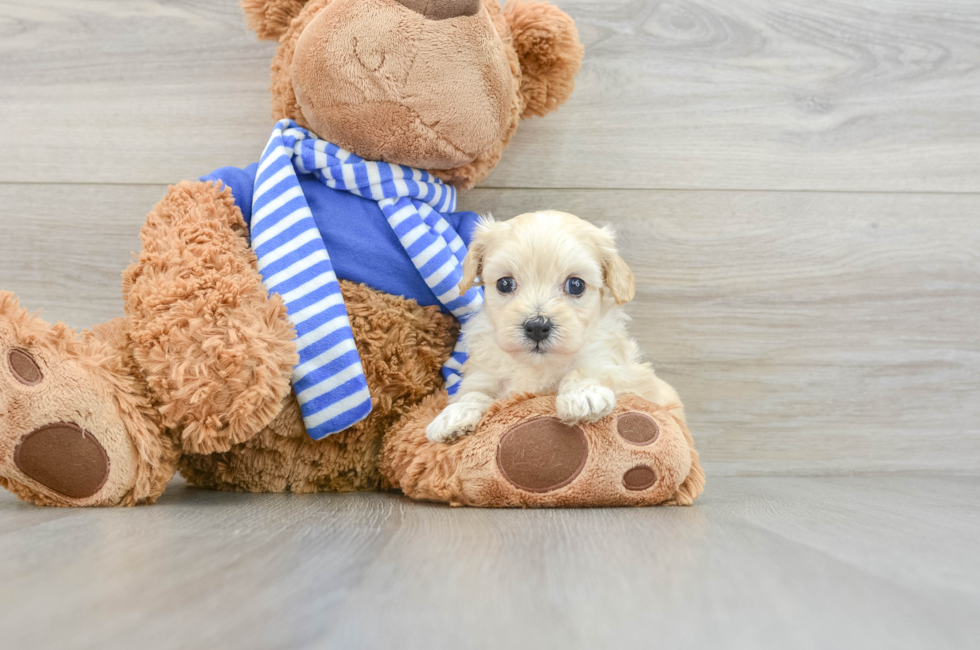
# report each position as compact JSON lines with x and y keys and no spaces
{"x":639,"y":478}
{"x":524,"y":455}
{"x":637,"y":428}
{"x":65,"y":458}
{"x":23,"y":367}
{"x":542,"y":455}
{"x":60,"y":419}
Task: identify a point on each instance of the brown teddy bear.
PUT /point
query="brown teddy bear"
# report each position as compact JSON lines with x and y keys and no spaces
{"x":199,"y":373}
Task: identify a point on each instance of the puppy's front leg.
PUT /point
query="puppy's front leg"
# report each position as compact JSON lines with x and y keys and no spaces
{"x":581,"y":398}
{"x":464,"y":411}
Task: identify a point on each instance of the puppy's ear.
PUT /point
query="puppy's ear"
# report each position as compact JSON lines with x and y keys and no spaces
{"x":477,"y":250}
{"x":616,"y":273}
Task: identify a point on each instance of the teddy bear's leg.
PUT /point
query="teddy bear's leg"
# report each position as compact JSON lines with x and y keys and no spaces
{"x":216,"y":350}
{"x":693,"y":485}
{"x":76,"y":428}
{"x":522,"y":454}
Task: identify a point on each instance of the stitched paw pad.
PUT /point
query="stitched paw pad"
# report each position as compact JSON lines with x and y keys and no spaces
{"x":65,"y":458}
{"x":635,"y":455}
{"x":62,"y":441}
{"x":542,"y":455}
{"x":523,"y":455}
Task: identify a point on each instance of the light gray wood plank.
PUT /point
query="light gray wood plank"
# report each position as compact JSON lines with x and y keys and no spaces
{"x":129,"y":91}
{"x":197,"y":570}
{"x":710,"y":94}
{"x":64,"y":248}
{"x":757,"y":563}
{"x":873,"y":515}
{"x":764,"y":94}
{"x":697,"y":578}
{"x":808,"y":333}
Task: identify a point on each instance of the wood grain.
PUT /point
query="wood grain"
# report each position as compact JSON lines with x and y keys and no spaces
{"x":765,"y":562}
{"x":65,"y":247}
{"x":802,"y":192}
{"x":129,"y":91}
{"x":764,"y":94}
{"x":707,"y":94}
{"x":808,"y":333}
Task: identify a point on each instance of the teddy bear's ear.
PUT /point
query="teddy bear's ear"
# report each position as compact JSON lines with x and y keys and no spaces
{"x":550,"y":53}
{"x":270,"y":18}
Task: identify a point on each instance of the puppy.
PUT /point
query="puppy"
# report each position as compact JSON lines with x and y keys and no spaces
{"x":551,"y":323}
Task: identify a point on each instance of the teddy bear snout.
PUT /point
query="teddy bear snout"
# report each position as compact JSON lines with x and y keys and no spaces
{"x":442,"y":9}
{"x":401,"y":86}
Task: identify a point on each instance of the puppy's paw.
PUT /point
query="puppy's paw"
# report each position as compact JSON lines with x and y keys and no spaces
{"x":455,"y":420}
{"x":585,"y":403}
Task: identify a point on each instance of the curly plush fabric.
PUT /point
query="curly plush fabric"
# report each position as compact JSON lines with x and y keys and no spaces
{"x":270,"y":18}
{"x":197,"y":373}
{"x":403,"y":347}
{"x":537,"y":35}
{"x":88,"y":381}
{"x":604,"y":469}
{"x":215,"y":349}
{"x":550,"y":53}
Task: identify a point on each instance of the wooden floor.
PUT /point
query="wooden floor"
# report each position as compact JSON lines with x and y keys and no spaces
{"x":797,"y":188}
{"x":766,"y":562}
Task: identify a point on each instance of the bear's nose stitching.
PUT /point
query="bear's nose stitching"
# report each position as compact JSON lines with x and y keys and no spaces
{"x":537,"y":329}
{"x":442,"y":9}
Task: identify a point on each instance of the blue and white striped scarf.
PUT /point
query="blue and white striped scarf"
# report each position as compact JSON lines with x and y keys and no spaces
{"x":329,"y":380}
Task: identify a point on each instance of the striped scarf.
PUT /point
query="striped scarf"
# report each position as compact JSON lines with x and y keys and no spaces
{"x":329,"y":380}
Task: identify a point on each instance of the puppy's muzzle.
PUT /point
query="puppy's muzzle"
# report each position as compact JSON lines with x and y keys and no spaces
{"x":537,"y":329}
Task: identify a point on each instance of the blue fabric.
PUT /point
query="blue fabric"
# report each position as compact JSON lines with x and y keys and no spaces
{"x":363,"y":247}
{"x":318,"y":213}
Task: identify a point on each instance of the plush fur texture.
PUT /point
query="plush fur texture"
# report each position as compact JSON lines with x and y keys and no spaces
{"x":385,"y":95}
{"x":87,"y":380}
{"x":196,"y":374}
{"x":385,"y":98}
{"x":467,"y":472}
{"x":270,"y":18}
{"x":215,"y":350}
{"x":402,"y":347}
{"x":550,"y":53}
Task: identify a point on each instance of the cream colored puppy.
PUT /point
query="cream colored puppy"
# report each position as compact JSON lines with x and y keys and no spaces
{"x":551,"y":323}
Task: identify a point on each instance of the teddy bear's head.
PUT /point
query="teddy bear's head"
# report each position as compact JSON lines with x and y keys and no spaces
{"x":434,"y":84}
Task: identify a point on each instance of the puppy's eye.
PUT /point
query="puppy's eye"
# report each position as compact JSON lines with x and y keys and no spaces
{"x":506,"y":285}
{"x":575,"y":286}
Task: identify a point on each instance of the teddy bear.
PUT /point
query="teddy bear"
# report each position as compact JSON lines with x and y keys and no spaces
{"x":315,"y":363}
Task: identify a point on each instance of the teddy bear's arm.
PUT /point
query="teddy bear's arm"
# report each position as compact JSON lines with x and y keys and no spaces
{"x":216,"y":351}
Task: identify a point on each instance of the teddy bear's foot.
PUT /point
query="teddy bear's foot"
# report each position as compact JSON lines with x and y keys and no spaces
{"x":522,"y":454}
{"x":73,"y":428}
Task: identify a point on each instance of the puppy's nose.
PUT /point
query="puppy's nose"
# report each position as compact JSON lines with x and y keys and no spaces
{"x":442,"y":9}
{"x":537,"y":329}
